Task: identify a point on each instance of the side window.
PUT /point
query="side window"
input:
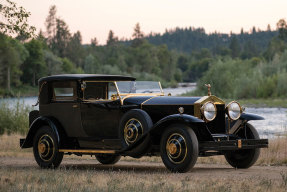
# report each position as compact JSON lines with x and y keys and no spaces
{"x":112,"y":90}
{"x":95,"y":91}
{"x":64,"y":91}
{"x":99,"y":91}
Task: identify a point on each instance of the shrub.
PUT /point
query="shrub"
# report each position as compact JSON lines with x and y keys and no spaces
{"x":14,"y":119}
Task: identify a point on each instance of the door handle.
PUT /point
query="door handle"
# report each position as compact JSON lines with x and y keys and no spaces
{"x":75,"y":106}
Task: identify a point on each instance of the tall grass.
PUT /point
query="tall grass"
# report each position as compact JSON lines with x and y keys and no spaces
{"x":69,"y":179}
{"x":14,"y":119}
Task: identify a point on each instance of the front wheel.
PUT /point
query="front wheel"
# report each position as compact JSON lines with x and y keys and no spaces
{"x":244,"y":158}
{"x":179,"y":148}
{"x":108,"y":159}
{"x":46,"y":148}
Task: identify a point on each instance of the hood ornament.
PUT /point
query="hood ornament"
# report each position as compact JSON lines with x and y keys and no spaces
{"x":208,"y":89}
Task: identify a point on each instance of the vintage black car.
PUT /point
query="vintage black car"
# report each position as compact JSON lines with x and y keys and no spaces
{"x":112,"y":116}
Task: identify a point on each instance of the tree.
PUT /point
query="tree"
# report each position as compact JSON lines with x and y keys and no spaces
{"x":62,"y":38}
{"x":92,"y":65}
{"x":34,"y":66}
{"x":94,"y":42}
{"x":51,"y":25}
{"x":12,"y":55}
{"x":137,"y":36}
{"x":14,"y":20}
{"x":53,"y":63}
{"x":112,"y":39}
{"x":75,"y":50}
{"x":249,"y":50}
{"x":268,"y":27}
{"x":234,"y":47}
{"x":253,"y":30}
{"x":282,"y":29}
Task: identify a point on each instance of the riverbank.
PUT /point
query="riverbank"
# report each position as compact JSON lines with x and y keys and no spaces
{"x":23,"y":91}
{"x":254,"y":102}
{"x":277,"y":102}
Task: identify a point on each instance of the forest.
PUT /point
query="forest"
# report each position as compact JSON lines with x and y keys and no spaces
{"x":251,"y":64}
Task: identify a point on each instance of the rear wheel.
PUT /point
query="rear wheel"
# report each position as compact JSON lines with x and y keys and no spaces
{"x":179,"y":148}
{"x":108,"y":159}
{"x":244,"y":158}
{"x":46,"y":148}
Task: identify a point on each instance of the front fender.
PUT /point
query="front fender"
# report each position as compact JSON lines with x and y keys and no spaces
{"x":198,"y":125}
{"x":36,"y":124}
{"x":250,"y":116}
{"x":176,"y":118}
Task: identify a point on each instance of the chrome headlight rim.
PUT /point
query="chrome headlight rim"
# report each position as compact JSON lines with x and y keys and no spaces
{"x":228,"y":110}
{"x":203,"y":110}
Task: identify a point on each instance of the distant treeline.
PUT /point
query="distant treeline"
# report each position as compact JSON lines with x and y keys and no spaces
{"x":178,"y":55}
{"x":193,"y":39}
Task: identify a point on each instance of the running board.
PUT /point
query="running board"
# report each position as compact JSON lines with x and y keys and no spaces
{"x":88,"y":151}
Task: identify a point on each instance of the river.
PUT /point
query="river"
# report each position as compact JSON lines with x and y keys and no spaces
{"x":274,"y":125}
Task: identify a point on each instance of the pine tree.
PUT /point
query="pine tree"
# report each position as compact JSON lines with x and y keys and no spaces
{"x":51,"y":25}
{"x":137,"y":36}
{"x":234,"y":47}
{"x":112,"y":39}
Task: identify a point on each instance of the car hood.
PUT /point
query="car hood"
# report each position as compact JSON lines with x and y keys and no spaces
{"x":159,"y":100}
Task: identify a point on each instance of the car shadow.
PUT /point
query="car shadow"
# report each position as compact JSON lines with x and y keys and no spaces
{"x":138,"y":168}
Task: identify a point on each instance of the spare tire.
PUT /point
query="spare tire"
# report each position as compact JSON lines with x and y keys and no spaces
{"x":134,"y":126}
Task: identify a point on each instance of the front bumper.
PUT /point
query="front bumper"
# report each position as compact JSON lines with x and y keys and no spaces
{"x":233,"y":144}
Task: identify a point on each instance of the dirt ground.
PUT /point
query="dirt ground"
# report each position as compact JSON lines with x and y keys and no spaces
{"x":200,"y":170}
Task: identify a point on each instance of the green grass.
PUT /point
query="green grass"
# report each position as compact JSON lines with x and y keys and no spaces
{"x":279,"y":102}
{"x":14,"y":120}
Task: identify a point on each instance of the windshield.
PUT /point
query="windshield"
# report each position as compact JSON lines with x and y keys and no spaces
{"x":136,"y":87}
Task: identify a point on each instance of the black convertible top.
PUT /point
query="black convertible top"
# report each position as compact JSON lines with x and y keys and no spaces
{"x":101,"y":77}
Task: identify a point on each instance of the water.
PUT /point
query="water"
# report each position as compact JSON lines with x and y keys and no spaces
{"x":275,"y":122}
{"x":178,"y":91}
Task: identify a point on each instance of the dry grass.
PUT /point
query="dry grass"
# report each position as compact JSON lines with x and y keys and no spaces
{"x":91,"y":178}
{"x":63,"y":179}
{"x":276,"y":154}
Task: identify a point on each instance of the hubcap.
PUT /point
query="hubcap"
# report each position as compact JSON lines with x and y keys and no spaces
{"x":41,"y":148}
{"x":46,"y":147}
{"x":176,"y":148}
{"x":133,"y":129}
{"x":172,"y":148}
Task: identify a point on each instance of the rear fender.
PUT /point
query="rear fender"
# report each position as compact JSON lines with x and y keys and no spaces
{"x":39,"y":122}
{"x":198,"y":125}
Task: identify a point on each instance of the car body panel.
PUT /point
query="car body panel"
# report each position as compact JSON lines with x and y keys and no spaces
{"x":94,"y":124}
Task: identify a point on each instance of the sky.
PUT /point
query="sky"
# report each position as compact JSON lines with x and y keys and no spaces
{"x":94,"y":18}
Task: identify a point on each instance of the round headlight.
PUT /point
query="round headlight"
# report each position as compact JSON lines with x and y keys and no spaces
{"x":209,"y":111}
{"x":234,"y":110}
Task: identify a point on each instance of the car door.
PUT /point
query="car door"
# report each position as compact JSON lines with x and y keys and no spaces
{"x":65,"y":107}
{"x":99,"y":112}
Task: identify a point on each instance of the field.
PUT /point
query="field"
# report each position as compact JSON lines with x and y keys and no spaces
{"x":19,"y":172}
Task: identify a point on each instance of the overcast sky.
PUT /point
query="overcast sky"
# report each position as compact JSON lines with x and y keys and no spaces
{"x":94,"y":18}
